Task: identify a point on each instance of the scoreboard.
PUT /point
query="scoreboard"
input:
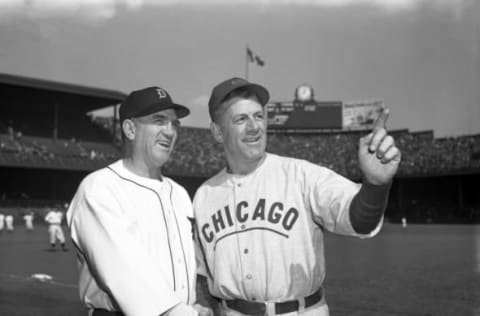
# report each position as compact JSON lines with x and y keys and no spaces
{"x":305,"y":115}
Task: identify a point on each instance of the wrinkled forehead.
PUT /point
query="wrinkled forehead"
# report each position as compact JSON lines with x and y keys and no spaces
{"x":239,"y":104}
{"x":167,"y":114}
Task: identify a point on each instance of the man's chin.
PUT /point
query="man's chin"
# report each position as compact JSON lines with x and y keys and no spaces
{"x":162,"y":159}
{"x":255,"y":155}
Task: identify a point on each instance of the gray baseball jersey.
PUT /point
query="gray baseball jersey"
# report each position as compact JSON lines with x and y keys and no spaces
{"x":261,"y":234}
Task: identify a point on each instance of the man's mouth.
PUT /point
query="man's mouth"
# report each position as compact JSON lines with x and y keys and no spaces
{"x":164,"y":143}
{"x":252,"y":139}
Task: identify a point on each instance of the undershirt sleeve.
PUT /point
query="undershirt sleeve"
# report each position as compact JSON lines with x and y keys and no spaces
{"x":367,"y":207}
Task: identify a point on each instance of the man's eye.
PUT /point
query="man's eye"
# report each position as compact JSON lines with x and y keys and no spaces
{"x":176,"y":123}
{"x":161,"y":121}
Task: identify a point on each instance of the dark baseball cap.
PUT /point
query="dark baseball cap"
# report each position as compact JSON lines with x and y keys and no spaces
{"x":147,"y":101}
{"x":220,"y":92}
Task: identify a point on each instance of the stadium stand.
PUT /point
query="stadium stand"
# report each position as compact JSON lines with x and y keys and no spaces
{"x":423,"y":155}
{"x":196,"y":153}
{"x":47,"y":138}
{"x":55,"y":154}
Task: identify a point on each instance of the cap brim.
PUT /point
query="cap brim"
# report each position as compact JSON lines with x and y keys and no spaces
{"x":257,"y":89}
{"x":181,"y":110}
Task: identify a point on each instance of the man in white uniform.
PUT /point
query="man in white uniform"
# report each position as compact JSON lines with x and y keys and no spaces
{"x":54,"y":219}
{"x":260,"y":221}
{"x":132,"y":225}
{"x":28,"y":218}
{"x":2,"y":221}
{"x":9,"y":223}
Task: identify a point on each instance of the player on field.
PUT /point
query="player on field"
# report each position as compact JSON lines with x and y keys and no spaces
{"x":260,"y":221}
{"x":2,"y":221}
{"x":132,"y":225}
{"x":54,"y":219}
{"x":9,"y":223}
{"x":28,"y":218}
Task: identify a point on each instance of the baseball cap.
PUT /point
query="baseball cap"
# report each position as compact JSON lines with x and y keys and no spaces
{"x":147,"y":101}
{"x":221,"y":90}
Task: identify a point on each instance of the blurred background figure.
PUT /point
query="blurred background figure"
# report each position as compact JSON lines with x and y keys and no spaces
{"x":28,"y":218}
{"x":54,"y":219}
{"x":9,"y":222}
{"x":404,"y":222}
{"x":2,"y":221}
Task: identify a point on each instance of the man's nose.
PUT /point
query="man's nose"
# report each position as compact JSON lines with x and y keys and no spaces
{"x":252,"y":124}
{"x":169,"y":128}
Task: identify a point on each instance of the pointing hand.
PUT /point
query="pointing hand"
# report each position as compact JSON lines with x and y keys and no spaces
{"x":378,"y":156}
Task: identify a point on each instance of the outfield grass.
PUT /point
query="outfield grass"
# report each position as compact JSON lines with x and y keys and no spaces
{"x":421,"y":270}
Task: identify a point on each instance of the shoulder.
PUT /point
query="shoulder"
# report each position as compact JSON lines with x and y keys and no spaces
{"x":212,"y":186}
{"x":290,"y":164}
{"x":217,"y":179}
{"x":99,"y":180}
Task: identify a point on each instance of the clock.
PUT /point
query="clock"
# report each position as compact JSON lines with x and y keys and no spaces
{"x":304,"y":93}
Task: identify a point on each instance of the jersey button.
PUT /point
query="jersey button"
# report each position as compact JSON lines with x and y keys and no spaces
{"x":239,"y":185}
{"x":245,"y":251}
{"x":243,"y":226}
{"x":249,"y":276}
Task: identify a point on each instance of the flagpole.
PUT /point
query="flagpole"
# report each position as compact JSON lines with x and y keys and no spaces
{"x":246,"y":62}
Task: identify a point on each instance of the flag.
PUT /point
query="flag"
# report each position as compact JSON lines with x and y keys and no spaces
{"x":254,"y":58}
{"x":260,"y":62}
{"x":250,"y":55}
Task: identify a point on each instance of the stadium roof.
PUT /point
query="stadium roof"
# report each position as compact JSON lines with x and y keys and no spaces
{"x":88,"y":98}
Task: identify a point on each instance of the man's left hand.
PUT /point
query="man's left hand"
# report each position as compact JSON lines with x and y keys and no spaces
{"x":378,"y":156}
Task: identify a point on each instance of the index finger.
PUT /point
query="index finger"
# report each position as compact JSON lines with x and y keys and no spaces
{"x":381,"y":121}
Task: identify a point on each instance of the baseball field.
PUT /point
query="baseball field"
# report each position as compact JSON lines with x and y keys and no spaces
{"x":419,"y":270}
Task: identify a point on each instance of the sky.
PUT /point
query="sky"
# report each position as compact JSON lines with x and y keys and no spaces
{"x":422,"y":57}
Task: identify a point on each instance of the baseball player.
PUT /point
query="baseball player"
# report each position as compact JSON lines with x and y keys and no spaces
{"x":9,"y":222}
{"x":260,"y":221}
{"x":54,"y":219}
{"x":28,"y":218}
{"x":2,"y":221}
{"x":132,"y":226}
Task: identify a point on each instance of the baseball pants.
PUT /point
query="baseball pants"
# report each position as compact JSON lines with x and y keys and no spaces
{"x":56,"y":232}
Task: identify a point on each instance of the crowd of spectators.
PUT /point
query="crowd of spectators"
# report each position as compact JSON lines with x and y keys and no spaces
{"x":197,"y":154}
{"x":16,"y":147}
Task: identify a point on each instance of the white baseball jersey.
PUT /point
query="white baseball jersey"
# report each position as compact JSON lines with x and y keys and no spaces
{"x":54,"y":217}
{"x":28,"y":218}
{"x":9,"y":222}
{"x":2,"y":221}
{"x":136,"y":235}
{"x":261,"y":234}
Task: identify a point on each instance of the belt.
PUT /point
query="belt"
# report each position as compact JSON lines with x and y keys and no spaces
{"x":255,"y":308}
{"x":104,"y":312}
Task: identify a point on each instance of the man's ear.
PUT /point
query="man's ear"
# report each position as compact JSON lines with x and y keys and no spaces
{"x":128,"y":128}
{"x":216,"y":132}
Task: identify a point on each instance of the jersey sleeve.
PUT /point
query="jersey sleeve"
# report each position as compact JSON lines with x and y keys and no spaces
{"x":119,"y":262}
{"x":329,"y":195}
